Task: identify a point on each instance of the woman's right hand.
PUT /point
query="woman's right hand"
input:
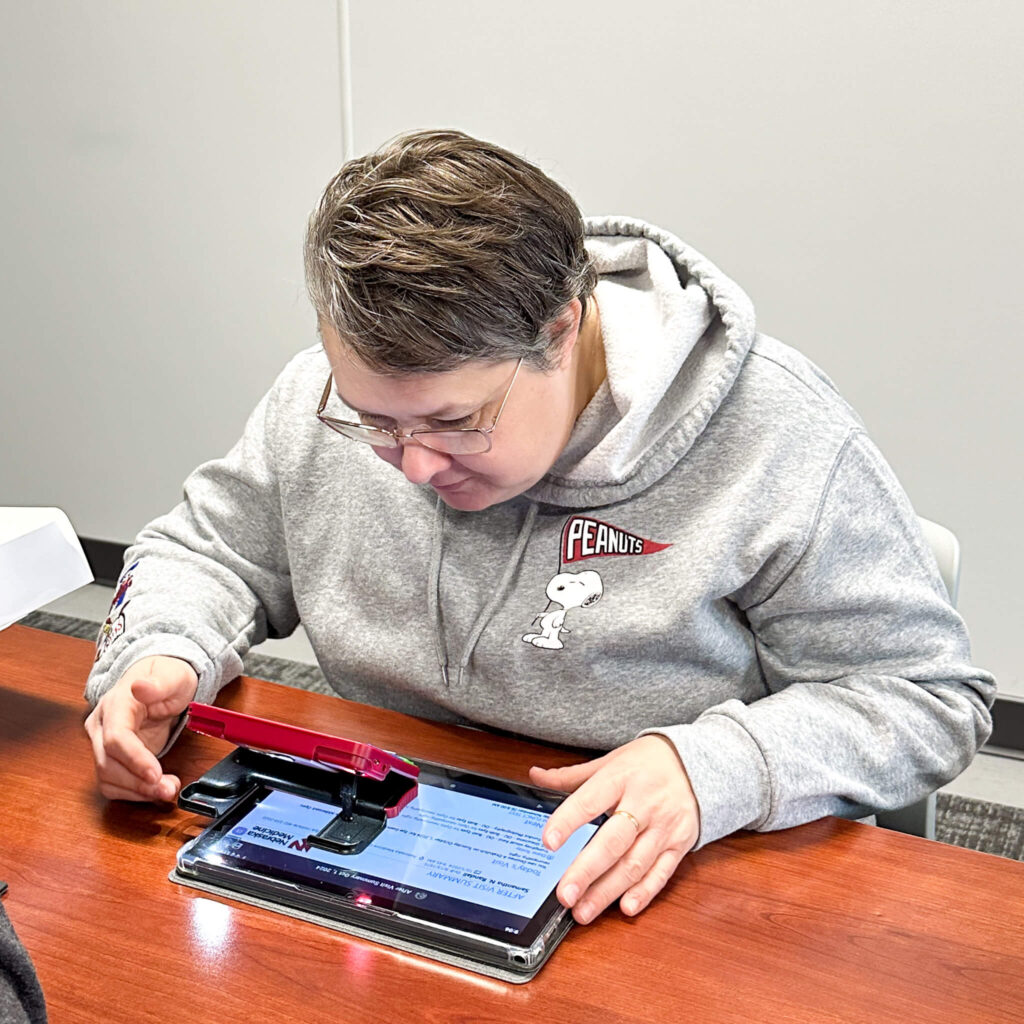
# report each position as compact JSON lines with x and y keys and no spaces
{"x":131,"y":724}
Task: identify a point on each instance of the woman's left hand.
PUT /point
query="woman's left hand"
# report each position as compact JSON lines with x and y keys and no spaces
{"x":635,"y":852}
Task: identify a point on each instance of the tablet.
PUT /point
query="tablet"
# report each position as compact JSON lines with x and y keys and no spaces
{"x":460,"y":874}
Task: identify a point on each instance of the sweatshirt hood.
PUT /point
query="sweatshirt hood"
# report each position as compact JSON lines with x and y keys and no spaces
{"x":676,"y":331}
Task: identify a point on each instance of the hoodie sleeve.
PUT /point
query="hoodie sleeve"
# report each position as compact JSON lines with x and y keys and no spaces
{"x":210,"y":579}
{"x":21,"y":998}
{"x":873,"y":702}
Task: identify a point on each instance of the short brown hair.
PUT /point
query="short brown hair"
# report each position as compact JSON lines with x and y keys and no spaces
{"x":439,"y":249}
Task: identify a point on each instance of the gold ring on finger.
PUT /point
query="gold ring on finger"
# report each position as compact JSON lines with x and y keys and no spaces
{"x":632,"y":818}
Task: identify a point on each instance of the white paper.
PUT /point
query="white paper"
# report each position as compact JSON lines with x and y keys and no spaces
{"x":40,"y":560}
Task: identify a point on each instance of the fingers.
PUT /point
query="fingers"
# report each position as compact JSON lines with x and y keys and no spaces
{"x":600,"y":792}
{"x":615,"y":841}
{"x":638,"y":896}
{"x":637,"y":877}
{"x":132,"y":721}
{"x":122,"y":717}
{"x":566,"y":779}
{"x":116,"y":780}
{"x":634,"y":853}
{"x":167,"y":792}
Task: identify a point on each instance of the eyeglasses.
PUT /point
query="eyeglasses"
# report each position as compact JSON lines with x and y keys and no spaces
{"x":459,"y":441}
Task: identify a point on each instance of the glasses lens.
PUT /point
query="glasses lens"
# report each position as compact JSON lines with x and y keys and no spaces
{"x":368,"y":435}
{"x":454,"y":442}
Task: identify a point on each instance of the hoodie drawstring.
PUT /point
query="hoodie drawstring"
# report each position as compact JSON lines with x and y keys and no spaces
{"x":434,"y":589}
{"x":499,"y":594}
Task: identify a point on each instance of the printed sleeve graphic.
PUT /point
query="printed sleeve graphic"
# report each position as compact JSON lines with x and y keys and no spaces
{"x":114,"y":625}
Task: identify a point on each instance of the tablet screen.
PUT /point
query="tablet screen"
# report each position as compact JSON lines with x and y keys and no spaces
{"x":465,"y":853}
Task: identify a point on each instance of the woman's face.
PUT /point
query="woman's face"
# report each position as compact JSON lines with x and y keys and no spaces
{"x":533,"y":429}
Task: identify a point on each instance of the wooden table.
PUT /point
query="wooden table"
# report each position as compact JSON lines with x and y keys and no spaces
{"x":831,"y":922}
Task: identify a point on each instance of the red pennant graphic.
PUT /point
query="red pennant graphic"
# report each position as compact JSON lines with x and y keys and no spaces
{"x":585,"y":537}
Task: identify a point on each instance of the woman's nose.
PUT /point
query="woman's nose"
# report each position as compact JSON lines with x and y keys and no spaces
{"x":420,"y":464}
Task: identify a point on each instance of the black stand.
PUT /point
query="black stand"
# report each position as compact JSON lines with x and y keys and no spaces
{"x":362,"y":802}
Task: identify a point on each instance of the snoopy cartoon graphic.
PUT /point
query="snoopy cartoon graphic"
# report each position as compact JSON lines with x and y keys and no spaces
{"x":570,"y":590}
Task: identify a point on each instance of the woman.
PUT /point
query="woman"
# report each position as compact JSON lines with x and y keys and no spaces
{"x":621,"y":519}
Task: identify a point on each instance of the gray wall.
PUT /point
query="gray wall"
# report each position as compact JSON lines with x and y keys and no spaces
{"x":856,"y":167}
{"x":159,"y":161}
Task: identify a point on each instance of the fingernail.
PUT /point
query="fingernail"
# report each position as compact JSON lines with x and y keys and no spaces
{"x":585,"y":913}
{"x":631,"y":905}
{"x":553,"y":839}
{"x":569,"y":894}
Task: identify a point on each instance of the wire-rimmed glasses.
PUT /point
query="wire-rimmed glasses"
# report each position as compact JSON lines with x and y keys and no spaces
{"x":457,"y":441}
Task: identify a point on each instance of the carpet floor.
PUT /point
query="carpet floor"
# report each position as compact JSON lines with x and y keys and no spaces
{"x":961,"y":821}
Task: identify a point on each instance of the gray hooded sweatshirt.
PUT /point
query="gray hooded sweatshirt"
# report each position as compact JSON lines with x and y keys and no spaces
{"x":719,"y":555}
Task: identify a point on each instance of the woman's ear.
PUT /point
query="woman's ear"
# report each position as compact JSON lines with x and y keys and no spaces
{"x":564,"y":332}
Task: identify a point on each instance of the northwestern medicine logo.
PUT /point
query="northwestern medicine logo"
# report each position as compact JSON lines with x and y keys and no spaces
{"x":585,"y":537}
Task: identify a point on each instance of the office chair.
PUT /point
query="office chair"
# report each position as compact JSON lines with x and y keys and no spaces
{"x":946,"y":549}
{"x":919,"y":819}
